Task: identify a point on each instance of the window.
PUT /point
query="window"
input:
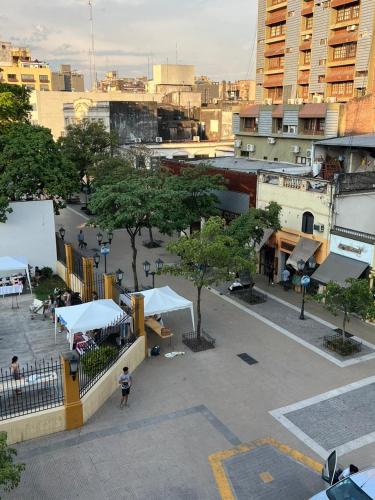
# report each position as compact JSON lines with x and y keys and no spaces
{"x":245,"y":153}
{"x":276,"y":62}
{"x":44,"y":86}
{"x":321,"y":78}
{"x":347,"y":13}
{"x":345,"y":51}
{"x":313,"y":126}
{"x":322,"y":62}
{"x":250,"y":124}
{"x":290,"y":129}
{"x":361,"y":74}
{"x":309,"y":23}
{"x":277,"y":125}
{"x":301,"y":160}
{"x":12,"y":77}
{"x":346,"y":489}
{"x":277,"y":30}
{"x":291,"y":13}
{"x":27,"y":78}
{"x":307,"y":57}
{"x":275,"y":159}
{"x":308,"y":223}
{"x":342,"y":88}
{"x":43,"y":78}
{"x":275,"y":93}
{"x":361,"y":92}
{"x":323,"y":41}
{"x":265,"y":157}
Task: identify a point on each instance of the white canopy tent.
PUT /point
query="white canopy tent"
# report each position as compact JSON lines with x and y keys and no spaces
{"x":9,"y":264}
{"x":163,"y":300}
{"x":88,"y":316}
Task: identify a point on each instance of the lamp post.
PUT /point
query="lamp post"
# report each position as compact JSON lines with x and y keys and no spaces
{"x":62,"y":233}
{"x":158,"y":266}
{"x":119,"y":276}
{"x":305,"y":280}
{"x":96,"y":259}
{"x":104,"y":246}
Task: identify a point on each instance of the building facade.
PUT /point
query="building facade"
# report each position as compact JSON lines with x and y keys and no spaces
{"x":67,"y":80}
{"x":314,"y":50}
{"x":114,"y":83}
{"x":285,"y":132}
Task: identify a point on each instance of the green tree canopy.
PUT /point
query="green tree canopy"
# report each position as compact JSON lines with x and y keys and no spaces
{"x":31,"y":167}
{"x":10,"y":473}
{"x":14,"y":103}
{"x":85,"y":144}
{"x":353,"y":298}
{"x":207,"y":257}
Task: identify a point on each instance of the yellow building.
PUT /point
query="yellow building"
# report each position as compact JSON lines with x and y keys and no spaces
{"x":18,"y":68}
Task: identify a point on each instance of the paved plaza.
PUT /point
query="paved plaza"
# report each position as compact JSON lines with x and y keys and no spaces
{"x":186,"y":410}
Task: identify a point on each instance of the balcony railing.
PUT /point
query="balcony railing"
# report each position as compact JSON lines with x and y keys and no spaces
{"x":276,"y":49}
{"x":276,"y":17}
{"x":340,"y":74}
{"x":352,"y":233}
{"x":273,"y":81}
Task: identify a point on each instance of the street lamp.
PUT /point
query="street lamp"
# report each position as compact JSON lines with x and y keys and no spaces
{"x":158,"y":266}
{"x":96,"y":260}
{"x":119,"y":276}
{"x":104,"y":246}
{"x":62,"y":233}
{"x":305,"y":280}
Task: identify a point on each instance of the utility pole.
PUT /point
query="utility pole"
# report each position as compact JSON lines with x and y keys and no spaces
{"x":92,"y":58}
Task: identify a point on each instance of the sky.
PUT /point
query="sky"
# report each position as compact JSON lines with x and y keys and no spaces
{"x":217,"y":36}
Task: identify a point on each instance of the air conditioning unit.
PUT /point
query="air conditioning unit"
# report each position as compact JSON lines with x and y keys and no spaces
{"x":352,"y":27}
{"x":237,"y":143}
{"x":250,"y":148}
{"x":196,"y":138}
{"x":268,"y":102}
{"x":331,"y":99}
{"x":291,"y":101}
{"x":319,"y":228}
{"x":317,"y":98}
{"x":299,"y":100}
{"x":158,"y":139}
{"x":307,"y":37}
{"x":271,"y":140}
{"x":308,"y":153}
{"x":137,"y":140}
{"x":296,"y":149}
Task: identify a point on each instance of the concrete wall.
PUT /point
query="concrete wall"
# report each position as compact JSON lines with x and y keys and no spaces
{"x":108,"y":384}
{"x":48,"y":106}
{"x":173,"y":74}
{"x":356,"y":211}
{"x":282,"y":149}
{"x":30,"y":232}
{"x":189,"y":150}
{"x":34,"y":425}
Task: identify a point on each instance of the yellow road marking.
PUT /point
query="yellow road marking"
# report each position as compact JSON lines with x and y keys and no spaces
{"x":222,"y":481}
{"x":266,"y":477}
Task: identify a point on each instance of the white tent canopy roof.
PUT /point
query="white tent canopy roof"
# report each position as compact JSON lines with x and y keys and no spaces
{"x":8,"y":264}
{"x":163,"y":300}
{"x":88,"y":316}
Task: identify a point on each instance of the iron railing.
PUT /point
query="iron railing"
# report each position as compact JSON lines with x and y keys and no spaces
{"x":60,"y":249}
{"x":77,"y":264}
{"x":37,"y":387}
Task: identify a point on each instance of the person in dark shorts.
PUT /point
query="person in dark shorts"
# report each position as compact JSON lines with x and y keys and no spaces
{"x":125,"y":380}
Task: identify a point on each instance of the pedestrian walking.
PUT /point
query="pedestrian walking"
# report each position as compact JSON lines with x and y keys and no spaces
{"x":285,"y":275}
{"x":270,"y":272}
{"x":15,"y":371}
{"x":126,"y":382}
{"x":81,"y":240}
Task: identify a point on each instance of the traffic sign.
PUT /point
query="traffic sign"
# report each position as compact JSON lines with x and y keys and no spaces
{"x":104,"y":250}
{"x":305,"y":280}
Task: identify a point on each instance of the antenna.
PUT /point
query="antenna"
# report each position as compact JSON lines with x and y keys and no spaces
{"x":92,"y":52}
{"x":176,"y":54}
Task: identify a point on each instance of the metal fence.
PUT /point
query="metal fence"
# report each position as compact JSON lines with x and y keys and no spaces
{"x":60,"y":249}
{"x":77,"y":264}
{"x":38,"y":387}
{"x":101,"y":351}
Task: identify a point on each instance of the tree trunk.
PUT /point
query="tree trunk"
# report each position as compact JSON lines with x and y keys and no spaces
{"x":199,"y":314}
{"x":344,"y":325}
{"x":151,"y":235}
{"x":134,"y":263}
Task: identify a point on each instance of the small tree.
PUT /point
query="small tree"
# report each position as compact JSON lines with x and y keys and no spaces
{"x":354,"y":298}
{"x":14,"y":103}
{"x":10,"y":473}
{"x":208,"y":257}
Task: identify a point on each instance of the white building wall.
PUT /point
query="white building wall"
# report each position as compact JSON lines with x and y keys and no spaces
{"x":30,"y":232}
{"x":356,"y":211}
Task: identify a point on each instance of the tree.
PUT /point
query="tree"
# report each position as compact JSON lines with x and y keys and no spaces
{"x":14,"y":104}
{"x":129,"y":204}
{"x":353,"y":298}
{"x":208,"y":257}
{"x":85,"y":144}
{"x":191,"y":197}
{"x":31,"y":167}
{"x":10,"y":473}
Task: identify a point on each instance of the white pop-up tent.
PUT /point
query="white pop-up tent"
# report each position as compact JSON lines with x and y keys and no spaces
{"x":88,"y":316}
{"x":163,"y":300}
{"x":11,"y":264}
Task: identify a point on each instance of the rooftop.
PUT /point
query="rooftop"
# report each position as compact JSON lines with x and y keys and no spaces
{"x":352,"y":141}
{"x":245,"y":165}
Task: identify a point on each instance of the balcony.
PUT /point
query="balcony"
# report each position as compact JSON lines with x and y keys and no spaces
{"x":276,"y":17}
{"x":344,"y":36}
{"x":336,"y":63}
{"x":308,"y":8}
{"x":336,"y":25}
{"x":340,"y":74}
{"x":276,"y":5}
{"x":303,"y":78}
{"x":340,"y":3}
{"x":274,"y":71}
{"x":305,"y":45}
{"x":276,"y":49}
{"x":273,"y":81}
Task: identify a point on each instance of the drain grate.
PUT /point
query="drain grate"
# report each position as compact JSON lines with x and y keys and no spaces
{"x":248,"y":359}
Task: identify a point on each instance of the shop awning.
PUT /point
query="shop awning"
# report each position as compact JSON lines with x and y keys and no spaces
{"x":268,"y":232}
{"x":304,"y":249}
{"x":251,"y":111}
{"x":278,"y":111}
{"x":313,"y":110}
{"x":338,"y":268}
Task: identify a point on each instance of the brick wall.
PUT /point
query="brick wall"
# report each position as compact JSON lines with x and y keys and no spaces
{"x":360,"y":115}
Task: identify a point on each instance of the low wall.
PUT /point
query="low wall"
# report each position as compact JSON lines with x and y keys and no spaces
{"x":108,"y":384}
{"x":34,"y":425}
{"x":76,"y":284}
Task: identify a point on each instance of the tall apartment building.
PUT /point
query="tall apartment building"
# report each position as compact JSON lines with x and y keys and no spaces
{"x":314,"y":50}
{"x":67,"y":79}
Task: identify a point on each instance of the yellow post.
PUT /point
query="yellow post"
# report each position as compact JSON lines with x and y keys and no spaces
{"x":68,"y":264}
{"x":88,"y":278}
{"x":72,"y":401}
{"x":139,"y":317}
{"x":108,"y":281}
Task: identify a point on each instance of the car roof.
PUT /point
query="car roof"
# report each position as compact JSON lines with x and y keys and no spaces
{"x":365,"y":480}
